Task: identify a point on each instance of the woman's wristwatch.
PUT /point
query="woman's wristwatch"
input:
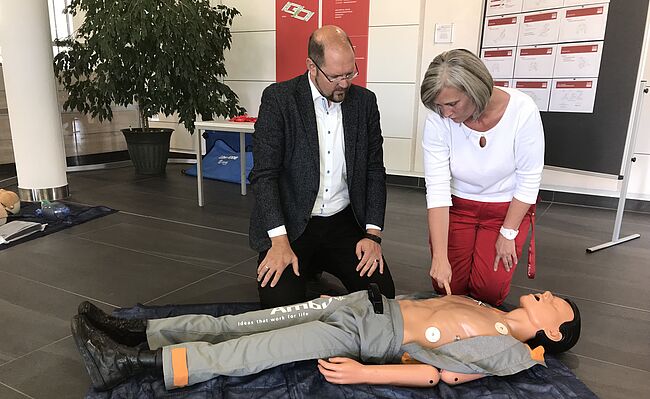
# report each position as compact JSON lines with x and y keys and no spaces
{"x":508,"y":234}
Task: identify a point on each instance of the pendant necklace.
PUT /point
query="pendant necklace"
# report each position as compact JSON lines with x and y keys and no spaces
{"x":482,"y":141}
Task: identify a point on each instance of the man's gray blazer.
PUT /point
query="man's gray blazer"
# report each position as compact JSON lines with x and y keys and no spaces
{"x":286,"y":176}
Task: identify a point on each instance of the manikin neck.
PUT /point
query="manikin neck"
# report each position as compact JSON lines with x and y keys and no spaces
{"x":520,"y":325}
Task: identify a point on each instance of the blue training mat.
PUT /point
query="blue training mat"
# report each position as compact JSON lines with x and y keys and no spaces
{"x":302,"y":380}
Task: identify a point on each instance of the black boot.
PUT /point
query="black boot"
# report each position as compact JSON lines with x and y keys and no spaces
{"x":131,"y":332}
{"x":107,"y":362}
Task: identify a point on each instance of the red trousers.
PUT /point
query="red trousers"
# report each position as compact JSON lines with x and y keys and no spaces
{"x":473,"y":232}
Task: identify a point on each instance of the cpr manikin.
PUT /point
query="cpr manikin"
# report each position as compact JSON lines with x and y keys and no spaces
{"x":401,"y":342}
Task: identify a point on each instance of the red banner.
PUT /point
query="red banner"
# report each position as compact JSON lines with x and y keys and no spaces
{"x":294,"y":22}
{"x":353,"y":17}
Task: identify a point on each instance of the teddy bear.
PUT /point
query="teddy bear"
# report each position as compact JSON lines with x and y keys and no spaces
{"x":10,"y":204}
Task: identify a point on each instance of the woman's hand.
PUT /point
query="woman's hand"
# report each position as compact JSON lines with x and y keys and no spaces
{"x":441,"y":273}
{"x":506,"y":253}
{"x":342,"y":370}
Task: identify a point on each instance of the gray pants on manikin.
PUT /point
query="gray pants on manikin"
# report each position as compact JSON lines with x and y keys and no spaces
{"x":197,"y":348}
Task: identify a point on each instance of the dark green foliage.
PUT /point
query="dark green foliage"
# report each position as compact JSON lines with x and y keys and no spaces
{"x":165,"y":55}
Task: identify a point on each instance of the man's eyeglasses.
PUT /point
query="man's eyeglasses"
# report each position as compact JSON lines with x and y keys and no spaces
{"x":339,"y":79}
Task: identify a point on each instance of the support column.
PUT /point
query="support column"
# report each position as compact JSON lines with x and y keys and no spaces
{"x":34,"y":114}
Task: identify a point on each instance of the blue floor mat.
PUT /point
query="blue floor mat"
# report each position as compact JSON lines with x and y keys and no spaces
{"x":301,"y":380}
{"x":78,"y":214}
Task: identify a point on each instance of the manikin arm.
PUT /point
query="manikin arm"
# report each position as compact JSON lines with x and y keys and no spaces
{"x":452,"y":378}
{"x":341,"y":370}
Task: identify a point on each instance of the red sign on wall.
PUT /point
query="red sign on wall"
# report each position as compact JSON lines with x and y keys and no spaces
{"x":294,"y":21}
{"x":353,"y":17}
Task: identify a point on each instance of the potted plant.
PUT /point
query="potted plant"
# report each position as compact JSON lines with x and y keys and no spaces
{"x":166,"y":56}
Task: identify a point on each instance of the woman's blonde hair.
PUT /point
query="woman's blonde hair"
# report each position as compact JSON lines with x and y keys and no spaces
{"x":461,"y":70}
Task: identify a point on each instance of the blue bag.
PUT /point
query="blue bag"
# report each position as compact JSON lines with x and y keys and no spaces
{"x":222,"y":163}
{"x":230,"y":138}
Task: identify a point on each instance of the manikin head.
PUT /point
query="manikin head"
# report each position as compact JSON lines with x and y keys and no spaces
{"x":331,"y":62}
{"x":557,"y":321}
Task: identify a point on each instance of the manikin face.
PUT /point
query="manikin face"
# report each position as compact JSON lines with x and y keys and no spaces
{"x":338,"y":64}
{"x":455,"y":105}
{"x":547,"y":312}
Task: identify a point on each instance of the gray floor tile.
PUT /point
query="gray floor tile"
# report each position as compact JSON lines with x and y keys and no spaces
{"x":409,"y":279}
{"x":33,"y":315}
{"x":616,"y":275}
{"x":610,"y":381}
{"x":9,"y":393}
{"x":106,"y":273}
{"x":173,"y":196}
{"x":222,"y":287}
{"x":152,"y":204}
{"x":55,"y":371}
{"x":247,"y":268}
{"x":190,"y":244}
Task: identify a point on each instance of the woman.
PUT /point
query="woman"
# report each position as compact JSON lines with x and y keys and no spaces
{"x":483,"y":161}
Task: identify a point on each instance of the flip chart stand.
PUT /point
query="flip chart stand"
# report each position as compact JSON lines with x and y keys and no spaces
{"x":630,"y":158}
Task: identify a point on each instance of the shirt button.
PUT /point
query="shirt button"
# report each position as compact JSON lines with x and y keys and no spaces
{"x":328,"y":172}
{"x":328,"y":132}
{"x":329,"y":152}
{"x":327,"y":190}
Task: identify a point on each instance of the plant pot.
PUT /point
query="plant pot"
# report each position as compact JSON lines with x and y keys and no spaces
{"x":148,"y":149}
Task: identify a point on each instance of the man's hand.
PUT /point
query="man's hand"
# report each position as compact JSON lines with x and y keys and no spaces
{"x":276,"y":260}
{"x":342,"y":370}
{"x":369,"y":255}
{"x":441,"y":272}
{"x":506,"y":252}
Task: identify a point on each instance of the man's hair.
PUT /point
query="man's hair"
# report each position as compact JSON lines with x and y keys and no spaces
{"x":570,"y":333}
{"x":461,"y":70}
{"x":316,"y":49}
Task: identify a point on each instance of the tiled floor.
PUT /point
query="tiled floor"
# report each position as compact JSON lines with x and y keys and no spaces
{"x":162,"y":248}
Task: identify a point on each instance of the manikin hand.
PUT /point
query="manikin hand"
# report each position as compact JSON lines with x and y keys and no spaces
{"x":342,"y":370}
{"x":369,"y":255}
{"x":441,"y":273}
{"x":276,"y":260}
{"x":506,"y":252}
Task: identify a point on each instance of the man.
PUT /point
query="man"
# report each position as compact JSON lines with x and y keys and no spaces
{"x":454,"y":339}
{"x":318,"y":178}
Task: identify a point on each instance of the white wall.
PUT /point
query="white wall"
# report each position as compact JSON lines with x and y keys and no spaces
{"x":394,"y":38}
{"x":400,"y":47}
{"x":466,"y":16}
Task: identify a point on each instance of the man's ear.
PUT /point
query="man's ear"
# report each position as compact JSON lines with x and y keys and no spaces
{"x":310,"y":66}
{"x":553,"y":334}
